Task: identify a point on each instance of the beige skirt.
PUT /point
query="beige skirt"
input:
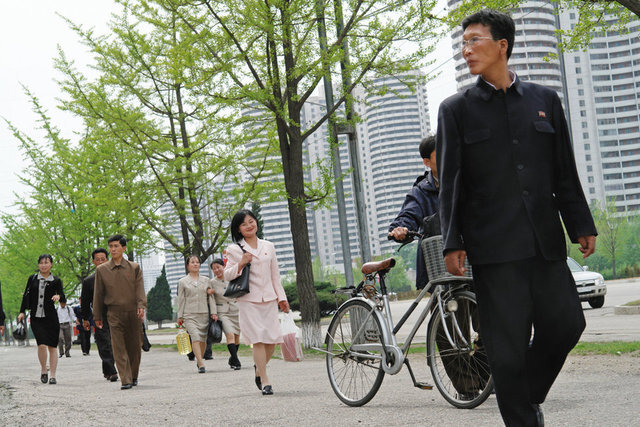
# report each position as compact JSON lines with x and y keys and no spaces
{"x":197,"y":325}
{"x":230,"y":322}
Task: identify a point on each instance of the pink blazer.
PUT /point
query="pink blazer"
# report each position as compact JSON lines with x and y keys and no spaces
{"x":264,"y":280}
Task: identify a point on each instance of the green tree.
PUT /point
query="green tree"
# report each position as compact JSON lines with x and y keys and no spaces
{"x":169,"y":147}
{"x":271,"y":62}
{"x":159,"y":300}
{"x":611,"y":226}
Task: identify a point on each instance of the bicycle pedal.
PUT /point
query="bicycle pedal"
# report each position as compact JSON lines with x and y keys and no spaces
{"x":424,"y":386}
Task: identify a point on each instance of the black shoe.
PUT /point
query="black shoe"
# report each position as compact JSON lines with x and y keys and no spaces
{"x":135,"y":382}
{"x":85,"y":354}
{"x":236,"y":367}
{"x":267,"y":390}
{"x":113,"y":378}
{"x":53,"y":381}
{"x":126,"y":386}
{"x":191,"y":356}
{"x":539,"y":415}
{"x":468,"y":396}
{"x":44,"y":378}
{"x":258,"y":380}
{"x":201,"y":370}
{"x":60,"y":356}
{"x":208,"y":357}
{"x":68,"y":355}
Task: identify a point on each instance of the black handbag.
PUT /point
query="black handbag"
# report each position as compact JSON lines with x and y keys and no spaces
{"x":20,"y":332}
{"x":240,"y":285}
{"x":215,"y":331}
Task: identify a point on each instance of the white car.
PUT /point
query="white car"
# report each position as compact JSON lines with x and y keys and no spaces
{"x":590,"y":285}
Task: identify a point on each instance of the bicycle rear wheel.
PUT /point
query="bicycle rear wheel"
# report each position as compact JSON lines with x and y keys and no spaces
{"x":354,"y":356}
{"x":461,"y":372}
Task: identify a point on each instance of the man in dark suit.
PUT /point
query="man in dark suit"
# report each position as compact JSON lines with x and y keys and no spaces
{"x":507,"y":173}
{"x":103,"y":339}
{"x":1,"y":314}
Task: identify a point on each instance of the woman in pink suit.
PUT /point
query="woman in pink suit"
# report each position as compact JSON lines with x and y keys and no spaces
{"x":259,"y":323}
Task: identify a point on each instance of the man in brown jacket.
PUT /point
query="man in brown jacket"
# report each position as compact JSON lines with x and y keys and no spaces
{"x":119,"y":289}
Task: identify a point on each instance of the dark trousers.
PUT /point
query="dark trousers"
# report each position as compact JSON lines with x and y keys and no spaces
{"x":103,"y":342}
{"x":512,"y":298}
{"x":126,"y":341}
{"x":64,"y":342}
{"x":85,"y":339}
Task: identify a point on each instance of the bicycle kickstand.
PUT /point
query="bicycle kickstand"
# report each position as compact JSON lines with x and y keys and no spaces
{"x":420,"y":385}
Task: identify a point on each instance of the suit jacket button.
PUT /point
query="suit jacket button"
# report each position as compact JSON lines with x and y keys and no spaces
{"x":520,"y":167}
{"x":525,"y":193}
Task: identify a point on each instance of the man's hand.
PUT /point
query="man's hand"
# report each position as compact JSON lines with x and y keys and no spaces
{"x":399,"y":233}
{"x":141,"y":313}
{"x":587,"y":245}
{"x":98,"y":323}
{"x":454,"y":261}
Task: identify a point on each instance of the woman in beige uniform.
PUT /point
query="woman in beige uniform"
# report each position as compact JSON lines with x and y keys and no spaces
{"x":195,"y":306}
{"x":227,"y":312}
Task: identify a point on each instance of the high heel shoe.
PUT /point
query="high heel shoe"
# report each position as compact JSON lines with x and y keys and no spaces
{"x":44,"y":378}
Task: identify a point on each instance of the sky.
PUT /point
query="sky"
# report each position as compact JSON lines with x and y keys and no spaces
{"x":30,"y":33}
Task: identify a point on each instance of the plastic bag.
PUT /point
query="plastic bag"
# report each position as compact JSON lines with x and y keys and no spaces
{"x":183,"y":341}
{"x":291,"y":347}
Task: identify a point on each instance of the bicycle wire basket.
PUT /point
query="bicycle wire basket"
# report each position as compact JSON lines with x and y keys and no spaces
{"x":434,"y":260}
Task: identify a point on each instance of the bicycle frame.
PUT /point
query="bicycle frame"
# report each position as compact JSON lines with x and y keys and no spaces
{"x":392,"y":355}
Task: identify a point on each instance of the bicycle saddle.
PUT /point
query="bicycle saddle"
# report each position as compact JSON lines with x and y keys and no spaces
{"x":372,"y":267}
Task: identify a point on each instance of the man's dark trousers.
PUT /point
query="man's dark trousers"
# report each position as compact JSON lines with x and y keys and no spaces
{"x":103,"y":342}
{"x":511,"y":297}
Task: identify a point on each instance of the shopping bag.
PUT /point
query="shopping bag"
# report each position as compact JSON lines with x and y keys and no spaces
{"x":183,"y":341}
{"x":291,"y":347}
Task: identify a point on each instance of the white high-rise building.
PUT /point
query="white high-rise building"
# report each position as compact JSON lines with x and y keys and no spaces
{"x":603,"y":85}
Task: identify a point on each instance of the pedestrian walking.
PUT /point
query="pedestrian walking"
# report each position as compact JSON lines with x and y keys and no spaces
{"x":258,"y":310}
{"x":507,"y":177}
{"x":67,"y":319}
{"x":227,"y":310}
{"x":102,"y":335}
{"x":195,"y":307}
{"x":43,"y":290}
{"x":119,"y":288}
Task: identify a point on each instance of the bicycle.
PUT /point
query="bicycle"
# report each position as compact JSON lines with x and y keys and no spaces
{"x":361,"y":345}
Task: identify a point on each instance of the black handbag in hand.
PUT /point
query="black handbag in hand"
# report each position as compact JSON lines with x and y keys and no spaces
{"x":240,"y":285}
{"x":214,"y":333}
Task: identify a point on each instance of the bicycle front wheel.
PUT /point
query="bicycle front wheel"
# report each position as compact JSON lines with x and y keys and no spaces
{"x":460,"y":371}
{"x":354,"y":358}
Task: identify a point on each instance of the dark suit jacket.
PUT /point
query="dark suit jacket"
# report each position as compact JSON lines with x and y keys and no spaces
{"x":30,"y":296}
{"x":507,"y":173}
{"x":86,"y":296}
{"x":1,"y":310}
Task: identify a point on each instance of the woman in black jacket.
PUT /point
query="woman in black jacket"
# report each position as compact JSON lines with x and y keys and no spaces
{"x":42,"y":291}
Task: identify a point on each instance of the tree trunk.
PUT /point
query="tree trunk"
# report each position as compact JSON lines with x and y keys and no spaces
{"x":159,"y":324}
{"x":613,"y":265}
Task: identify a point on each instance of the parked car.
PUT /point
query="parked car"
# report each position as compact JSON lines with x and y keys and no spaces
{"x":590,"y":285}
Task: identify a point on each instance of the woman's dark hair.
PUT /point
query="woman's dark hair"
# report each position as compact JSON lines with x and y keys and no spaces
{"x":192,"y":256}
{"x":237,"y":220}
{"x":500,"y":24}
{"x":43,"y":256}
{"x":217,"y":261}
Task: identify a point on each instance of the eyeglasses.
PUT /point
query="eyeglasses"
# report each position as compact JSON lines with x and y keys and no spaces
{"x":472,"y":41}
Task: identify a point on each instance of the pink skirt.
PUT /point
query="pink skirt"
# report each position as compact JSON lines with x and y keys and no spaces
{"x":259,"y":322}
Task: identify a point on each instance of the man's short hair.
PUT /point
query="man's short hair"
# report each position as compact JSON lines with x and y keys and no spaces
{"x":500,"y":24}
{"x":118,"y":238}
{"x":427,"y":145}
{"x":99,"y":251}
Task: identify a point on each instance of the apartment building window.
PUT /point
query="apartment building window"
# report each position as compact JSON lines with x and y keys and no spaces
{"x":610,"y":176}
{"x":613,"y":143}
{"x":587,"y":157}
{"x":589,"y":168}
{"x":606,"y":110}
{"x":610,"y":154}
{"x":629,"y":119}
{"x":579,"y":81}
{"x":583,"y":113}
{"x":592,"y":190}
{"x":585,"y":125}
{"x":602,"y":88}
{"x":590,"y":179}
{"x":603,"y":78}
{"x":572,"y":15}
{"x":610,"y":121}
{"x":599,"y":56}
{"x":578,"y":70}
{"x":576,"y":59}
{"x":587,"y":146}
{"x":585,"y":135}
{"x":596,"y":67}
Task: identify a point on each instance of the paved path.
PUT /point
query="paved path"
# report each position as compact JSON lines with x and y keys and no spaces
{"x":591,"y":391}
